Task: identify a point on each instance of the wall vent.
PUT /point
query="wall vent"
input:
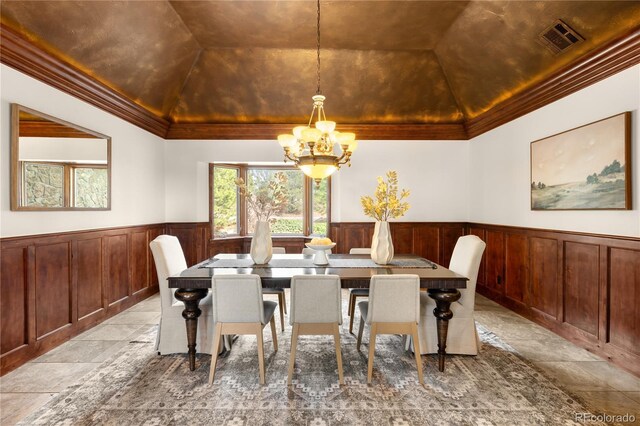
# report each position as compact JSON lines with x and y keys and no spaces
{"x":559,"y":37}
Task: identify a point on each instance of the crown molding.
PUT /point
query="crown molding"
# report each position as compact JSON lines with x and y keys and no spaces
{"x":454,"y":131}
{"x":19,"y":53}
{"x":597,"y":65}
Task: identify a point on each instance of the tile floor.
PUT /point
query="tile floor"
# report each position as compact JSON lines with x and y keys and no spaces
{"x":609,"y":389}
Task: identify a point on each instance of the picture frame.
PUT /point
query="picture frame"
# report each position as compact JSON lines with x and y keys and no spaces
{"x":585,"y":168}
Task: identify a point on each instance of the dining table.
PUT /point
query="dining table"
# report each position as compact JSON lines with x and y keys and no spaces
{"x":355,"y":271}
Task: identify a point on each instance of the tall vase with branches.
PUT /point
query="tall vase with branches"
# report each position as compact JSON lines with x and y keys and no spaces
{"x":387,"y":204}
{"x":264,"y":201}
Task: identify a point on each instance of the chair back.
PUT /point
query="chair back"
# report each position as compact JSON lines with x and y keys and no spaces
{"x":237,"y":298}
{"x":169,"y":260}
{"x":360,"y":251}
{"x":394,"y":298}
{"x":278,"y":250}
{"x":465,"y":261}
{"x":315,"y":299}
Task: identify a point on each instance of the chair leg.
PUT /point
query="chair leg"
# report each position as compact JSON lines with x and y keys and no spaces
{"x":260,"y":352}
{"x":273,"y":333}
{"x":336,"y":339}
{"x":360,"y":331}
{"x":351,"y":311}
{"x":214,"y":352}
{"x":292,"y":357}
{"x":284,"y":302}
{"x":416,"y":351}
{"x":282,"y":310}
{"x":372,"y":347}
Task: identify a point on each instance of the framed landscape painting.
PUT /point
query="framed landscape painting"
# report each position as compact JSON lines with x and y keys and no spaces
{"x":587,"y":168}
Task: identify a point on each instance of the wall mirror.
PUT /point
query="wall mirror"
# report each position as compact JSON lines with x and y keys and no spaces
{"x":56,"y":165}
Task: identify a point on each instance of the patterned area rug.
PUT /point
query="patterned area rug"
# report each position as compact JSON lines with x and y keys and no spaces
{"x":139,"y":387}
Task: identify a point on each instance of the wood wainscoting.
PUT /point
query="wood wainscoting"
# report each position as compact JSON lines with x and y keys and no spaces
{"x":584,"y":287}
{"x":55,"y":286}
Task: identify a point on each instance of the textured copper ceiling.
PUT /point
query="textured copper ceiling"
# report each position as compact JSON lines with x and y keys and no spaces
{"x":254,"y":61}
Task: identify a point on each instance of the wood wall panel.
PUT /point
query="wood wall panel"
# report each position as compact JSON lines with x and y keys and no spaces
{"x":13,"y":299}
{"x":480,"y":233}
{"x":138,"y":258}
{"x":56,"y":286}
{"x":585,"y":287}
{"x":89,"y":276}
{"x":516,"y":274}
{"x":53,"y":288}
{"x":117,"y":268}
{"x":495,"y":261}
{"x":448,"y":238}
{"x":425,"y":241}
{"x":581,"y":282}
{"x":152,"y":233}
{"x":402,"y":236}
{"x":544,"y":277}
{"x":624,"y":299}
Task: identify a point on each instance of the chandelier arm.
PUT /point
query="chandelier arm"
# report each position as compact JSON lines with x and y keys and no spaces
{"x":311,"y":116}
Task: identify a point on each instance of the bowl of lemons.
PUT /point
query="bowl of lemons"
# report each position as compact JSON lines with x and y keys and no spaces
{"x":321,"y":246}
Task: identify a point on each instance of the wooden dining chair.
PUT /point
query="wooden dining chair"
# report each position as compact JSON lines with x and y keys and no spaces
{"x":354,"y":293}
{"x":393,"y":308}
{"x":282,"y":300}
{"x":239,"y":309}
{"x":316,"y":308}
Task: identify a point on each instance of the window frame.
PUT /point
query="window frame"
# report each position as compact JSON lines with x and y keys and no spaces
{"x":243,"y":168}
{"x":68,"y":183}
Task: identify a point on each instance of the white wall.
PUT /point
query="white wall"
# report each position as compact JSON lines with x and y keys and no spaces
{"x":63,"y":149}
{"x":500,"y":170}
{"x":484,"y":180}
{"x":435,"y":172}
{"x":137,"y":192}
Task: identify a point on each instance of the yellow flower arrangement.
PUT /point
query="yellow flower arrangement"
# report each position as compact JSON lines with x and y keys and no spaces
{"x":387,"y":203}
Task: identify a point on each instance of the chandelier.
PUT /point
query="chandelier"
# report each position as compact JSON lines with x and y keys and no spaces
{"x":311,"y":149}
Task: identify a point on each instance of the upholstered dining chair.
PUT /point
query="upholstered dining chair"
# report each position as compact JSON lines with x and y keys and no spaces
{"x":354,"y":293}
{"x":282,"y":303}
{"x":393,"y":308}
{"x":172,"y":333}
{"x":462,"y":336}
{"x":316,"y":308}
{"x":239,"y":309}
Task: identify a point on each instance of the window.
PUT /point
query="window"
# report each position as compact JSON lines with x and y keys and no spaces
{"x":63,"y":185}
{"x":305,"y":210}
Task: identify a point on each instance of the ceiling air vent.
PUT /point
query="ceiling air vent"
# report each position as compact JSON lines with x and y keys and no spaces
{"x":559,"y":37}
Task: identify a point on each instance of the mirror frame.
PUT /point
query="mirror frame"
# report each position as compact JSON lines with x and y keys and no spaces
{"x":16,"y":182}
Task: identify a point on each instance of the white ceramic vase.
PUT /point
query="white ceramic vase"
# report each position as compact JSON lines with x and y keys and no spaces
{"x":261,"y":247}
{"x":382,"y":246}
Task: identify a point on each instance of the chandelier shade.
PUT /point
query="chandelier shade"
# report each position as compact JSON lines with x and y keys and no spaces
{"x":311,"y":149}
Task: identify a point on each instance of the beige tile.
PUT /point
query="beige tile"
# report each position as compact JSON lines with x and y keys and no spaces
{"x":612,"y":403}
{"x":613,"y":376}
{"x":78,"y":351}
{"x":633,"y":395}
{"x":551,"y":349}
{"x":134,"y":318}
{"x":152,"y":304}
{"x":572,"y":376}
{"x":17,"y":406}
{"x":45,"y":377}
{"x":111,"y":332}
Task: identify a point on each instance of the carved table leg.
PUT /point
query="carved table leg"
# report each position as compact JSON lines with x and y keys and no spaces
{"x":442,"y":312}
{"x":191,"y":298}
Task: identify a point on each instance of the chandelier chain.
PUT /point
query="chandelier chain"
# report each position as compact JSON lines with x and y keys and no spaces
{"x":318,"y":48}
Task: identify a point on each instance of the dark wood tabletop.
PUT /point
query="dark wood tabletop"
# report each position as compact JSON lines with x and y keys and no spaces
{"x":199,"y":276}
